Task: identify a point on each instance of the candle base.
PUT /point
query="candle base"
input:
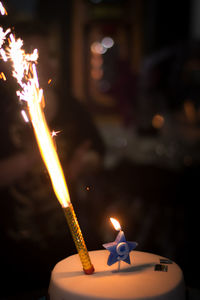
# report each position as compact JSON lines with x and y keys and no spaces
{"x":89,"y":271}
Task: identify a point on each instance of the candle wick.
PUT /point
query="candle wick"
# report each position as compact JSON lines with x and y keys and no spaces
{"x":119,"y":265}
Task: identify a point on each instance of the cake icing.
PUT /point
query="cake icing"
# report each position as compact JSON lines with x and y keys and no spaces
{"x":136,"y":281}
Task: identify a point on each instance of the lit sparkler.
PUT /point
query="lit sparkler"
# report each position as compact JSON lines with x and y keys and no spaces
{"x":2,"y":76}
{"x":2,"y":9}
{"x":55,"y":133}
{"x":24,"y":115}
{"x":24,"y":70}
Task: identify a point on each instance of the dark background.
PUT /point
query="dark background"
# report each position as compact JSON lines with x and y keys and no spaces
{"x":142,"y":119}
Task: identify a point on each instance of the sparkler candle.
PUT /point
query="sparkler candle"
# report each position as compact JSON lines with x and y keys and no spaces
{"x":50,"y":157}
{"x":24,"y":70}
{"x":120,"y":248}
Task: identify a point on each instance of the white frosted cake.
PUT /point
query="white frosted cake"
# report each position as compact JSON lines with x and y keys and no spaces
{"x":148,"y":277}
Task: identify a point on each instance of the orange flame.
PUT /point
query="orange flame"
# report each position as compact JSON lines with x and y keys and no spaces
{"x":2,"y":76}
{"x":116,"y":224}
{"x":47,"y":149}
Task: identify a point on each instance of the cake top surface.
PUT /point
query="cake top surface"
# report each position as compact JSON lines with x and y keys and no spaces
{"x":139,"y":278}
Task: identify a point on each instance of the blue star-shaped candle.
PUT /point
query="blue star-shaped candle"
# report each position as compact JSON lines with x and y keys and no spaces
{"x":120,"y":248}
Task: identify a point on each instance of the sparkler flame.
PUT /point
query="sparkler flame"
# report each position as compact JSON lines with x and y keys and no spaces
{"x":55,"y":133}
{"x":47,"y":149}
{"x":26,"y":74}
{"x":24,"y":115}
{"x":2,"y":76}
{"x":24,"y":70}
{"x":2,"y":9}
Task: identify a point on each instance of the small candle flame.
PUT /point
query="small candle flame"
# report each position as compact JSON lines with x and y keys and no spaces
{"x":116,"y":224}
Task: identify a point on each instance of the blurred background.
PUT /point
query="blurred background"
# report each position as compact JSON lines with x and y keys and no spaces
{"x":122,"y":83}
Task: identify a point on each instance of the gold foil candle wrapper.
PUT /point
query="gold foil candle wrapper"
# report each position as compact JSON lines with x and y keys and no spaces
{"x":78,"y":239}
